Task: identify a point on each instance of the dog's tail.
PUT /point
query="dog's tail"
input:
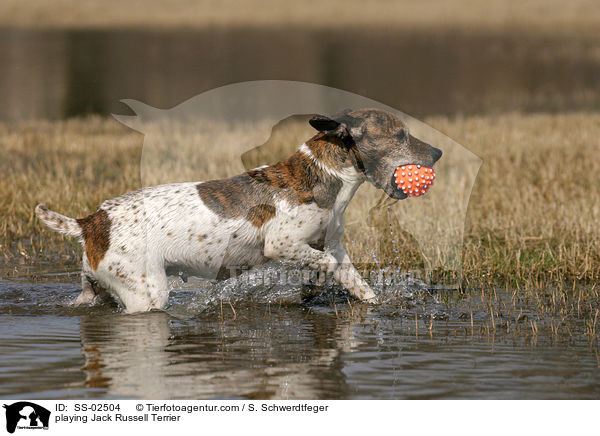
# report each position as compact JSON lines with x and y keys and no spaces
{"x":58,"y":222}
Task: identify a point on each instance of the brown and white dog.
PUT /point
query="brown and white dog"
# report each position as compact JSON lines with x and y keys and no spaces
{"x":291,"y":211}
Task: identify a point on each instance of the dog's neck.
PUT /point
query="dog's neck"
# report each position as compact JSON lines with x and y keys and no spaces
{"x":331,"y":156}
{"x":334,"y":159}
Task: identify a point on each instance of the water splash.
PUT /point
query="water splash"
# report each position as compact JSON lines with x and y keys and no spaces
{"x":275,"y":283}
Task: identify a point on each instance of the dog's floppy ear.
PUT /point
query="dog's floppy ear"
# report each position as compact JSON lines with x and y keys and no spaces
{"x":329,"y":126}
{"x":323,"y":123}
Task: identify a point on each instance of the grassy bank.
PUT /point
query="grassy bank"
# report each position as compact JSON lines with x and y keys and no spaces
{"x":532,"y":219}
{"x":535,"y":207}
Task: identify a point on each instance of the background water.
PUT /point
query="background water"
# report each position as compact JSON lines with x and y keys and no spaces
{"x":58,"y":73}
{"x":270,"y":345}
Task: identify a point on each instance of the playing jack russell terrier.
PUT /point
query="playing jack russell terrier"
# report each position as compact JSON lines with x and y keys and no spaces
{"x":290,"y":211}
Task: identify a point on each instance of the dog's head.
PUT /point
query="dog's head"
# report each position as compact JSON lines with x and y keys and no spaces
{"x":379,"y":143}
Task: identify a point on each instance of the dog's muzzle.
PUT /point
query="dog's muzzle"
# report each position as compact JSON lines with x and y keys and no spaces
{"x":414,"y":180}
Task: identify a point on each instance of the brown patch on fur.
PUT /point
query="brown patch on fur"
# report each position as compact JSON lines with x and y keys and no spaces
{"x":200,"y":238}
{"x":260,"y":214}
{"x":300,"y":181}
{"x":96,"y":235}
{"x":297,"y":180}
{"x":331,"y":152}
{"x":295,"y":176}
{"x":225,"y":197}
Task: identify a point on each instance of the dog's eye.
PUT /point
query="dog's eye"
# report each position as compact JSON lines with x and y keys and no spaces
{"x":402,"y":135}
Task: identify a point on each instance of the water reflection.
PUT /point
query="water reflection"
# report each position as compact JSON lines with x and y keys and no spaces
{"x":51,"y":350}
{"x":284,"y":354}
{"x":299,"y":353}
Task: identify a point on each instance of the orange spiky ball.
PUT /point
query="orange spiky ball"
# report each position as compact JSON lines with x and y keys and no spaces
{"x":414,"y":180}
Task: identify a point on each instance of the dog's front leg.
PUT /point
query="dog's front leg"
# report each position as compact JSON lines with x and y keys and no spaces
{"x":344,"y":273}
{"x":301,"y":252}
{"x":347,"y":275}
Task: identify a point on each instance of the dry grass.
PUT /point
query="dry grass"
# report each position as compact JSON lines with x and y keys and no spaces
{"x":72,"y":165}
{"x":532,"y":219}
{"x":535,"y":208}
{"x":576,"y":15}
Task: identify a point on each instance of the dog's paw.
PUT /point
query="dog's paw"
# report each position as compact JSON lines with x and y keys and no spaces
{"x":366,"y":295}
{"x":372,"y":300}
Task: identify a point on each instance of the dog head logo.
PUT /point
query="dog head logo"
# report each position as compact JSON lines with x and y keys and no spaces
{"x":252,"y":124}
{"x":26,"y":415}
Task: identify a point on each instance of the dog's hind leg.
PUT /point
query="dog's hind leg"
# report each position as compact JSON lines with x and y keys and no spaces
{"x":87,"y":295}
{"x":158,"y":288}
{"x":146,"y":288}
{"x":91,"y":291}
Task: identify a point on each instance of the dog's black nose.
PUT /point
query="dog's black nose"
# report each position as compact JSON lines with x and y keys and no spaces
{"x":437,"y":153}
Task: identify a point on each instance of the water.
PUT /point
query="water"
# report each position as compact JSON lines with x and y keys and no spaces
{"x":268,"y":344}
{"x":62,"y":73}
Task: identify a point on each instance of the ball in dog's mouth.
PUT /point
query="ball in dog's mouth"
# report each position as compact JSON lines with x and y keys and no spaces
{"x":414,"y":180}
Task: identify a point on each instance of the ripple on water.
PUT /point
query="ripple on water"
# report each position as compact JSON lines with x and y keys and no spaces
{"x":275,"y":342}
